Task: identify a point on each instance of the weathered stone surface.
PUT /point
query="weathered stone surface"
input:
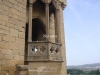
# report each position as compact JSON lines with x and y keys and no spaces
{"x":5,"y":51}
{"x":3,"y":62}
{"x":4,"y":27}
{"x":8,"y":38}
{"x":3,"y":73}
{"x":1,"y":56}
{"x":3,"y":45}
{"x":13,"y":32}
{"x":3,"y":17}
{"x":9,"y":57}
{"x":12,"y":68}
{"x":19,"y":40}
{"x":12,"y":73}
{"x":21,"y":34}
{"x":15,"y":62}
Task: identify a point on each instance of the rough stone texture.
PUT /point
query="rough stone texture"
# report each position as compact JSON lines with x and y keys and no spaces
{"x":3,"y":73}
{"x":44,"y":68}
{"x":12,"y":35}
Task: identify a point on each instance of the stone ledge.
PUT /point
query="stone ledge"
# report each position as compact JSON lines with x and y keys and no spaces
{"x":22,"y":67}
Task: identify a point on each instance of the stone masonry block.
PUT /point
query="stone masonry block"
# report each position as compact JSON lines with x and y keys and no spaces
{"x":0,"y":38}
{"x":23,"y":14}
{"x":14,"y":11}
{"x":3,"y":17}
{"x":22,"y":47}
{"x":2,"y":22}
{"x":20,"y":41}
{"x":14,"y":46}
{"x":4,"y":7}
{"x":3,"y":73}
{"x":14,"y":21}
{"x":8,"y":38}
{"x":21,"y":34}
{"x":1,"y":56}
{"x":15,"y":16}
{"x":3,"y":62}
{"x":13,"y":32}
{"x":16,"y":52}
{"x":9,"y":57}
{"x":3,"y":45}
{"x":9,"y":24}
{"x":18,"y":57}
{"x":4,"y":27}
{"x":15,"y":62}
{"x":12,"y":72}
{"x":4,"y":31}
{"x":6,"y":2}
{"x":5,"y":51}
{"x":13,"y":2}
{"x":8,"y":68}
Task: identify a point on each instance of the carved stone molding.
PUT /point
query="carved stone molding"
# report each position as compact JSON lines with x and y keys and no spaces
{"x":32,"y":1}
{"x":46,"y":1}
{"x":56,"y":4}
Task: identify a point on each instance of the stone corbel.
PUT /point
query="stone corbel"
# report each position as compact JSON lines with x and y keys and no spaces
{"x":63,"y":5}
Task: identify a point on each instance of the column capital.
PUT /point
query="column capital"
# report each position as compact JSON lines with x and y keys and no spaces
{"x":56,"y":4}
{"x":46,"y":1}
{"x":32,"y":1}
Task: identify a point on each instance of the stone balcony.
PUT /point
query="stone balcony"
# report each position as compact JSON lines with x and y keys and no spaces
{"x":43,"y":51}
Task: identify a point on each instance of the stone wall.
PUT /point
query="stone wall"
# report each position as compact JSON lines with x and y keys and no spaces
{"x":12,"y":35}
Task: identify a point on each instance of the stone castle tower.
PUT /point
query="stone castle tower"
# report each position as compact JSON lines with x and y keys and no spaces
{"x":32,"y":37}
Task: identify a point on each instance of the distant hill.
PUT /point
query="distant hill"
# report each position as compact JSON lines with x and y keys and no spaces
{"x":86,"y":66}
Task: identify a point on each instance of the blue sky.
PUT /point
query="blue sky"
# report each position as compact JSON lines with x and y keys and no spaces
{"x":82,"y":31}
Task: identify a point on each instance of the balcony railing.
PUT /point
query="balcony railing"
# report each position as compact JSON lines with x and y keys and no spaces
{"x":37,"y":51}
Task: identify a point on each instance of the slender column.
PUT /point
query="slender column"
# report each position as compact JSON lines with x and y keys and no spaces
{"x":58,"y":27}
{"x":30,"y":23}
{"x":47,"y":21}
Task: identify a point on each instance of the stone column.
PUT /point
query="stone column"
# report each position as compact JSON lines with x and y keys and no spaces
{"x":57,"y":26}
{"x":30,"y":23}
{"x":47,"y":21}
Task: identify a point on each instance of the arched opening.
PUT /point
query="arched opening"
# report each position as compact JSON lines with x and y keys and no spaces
{"x":38,"y":30}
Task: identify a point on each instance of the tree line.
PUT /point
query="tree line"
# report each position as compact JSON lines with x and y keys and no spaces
{"x":81,"y":72}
